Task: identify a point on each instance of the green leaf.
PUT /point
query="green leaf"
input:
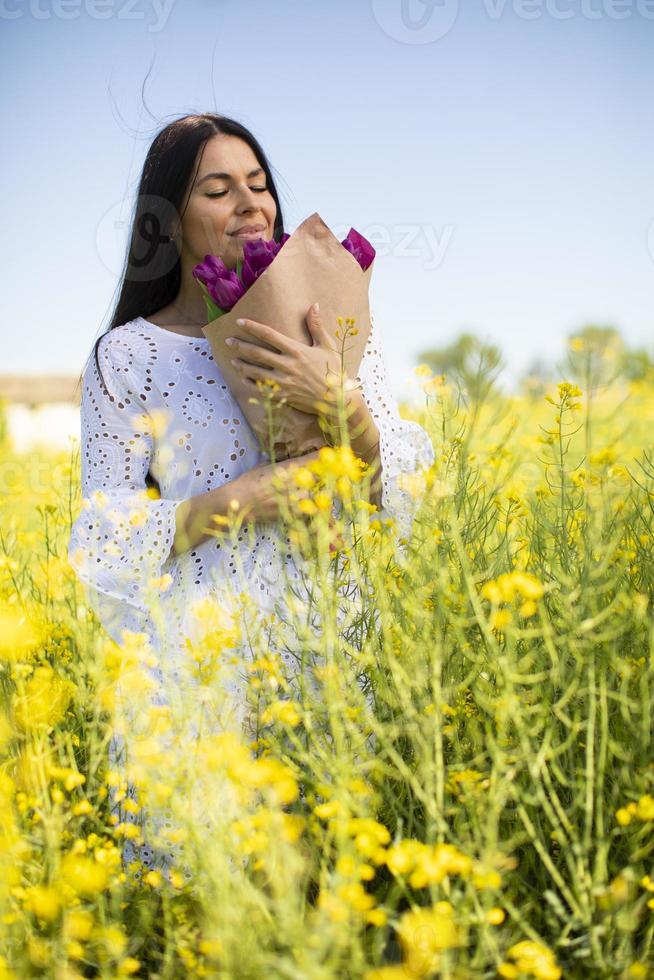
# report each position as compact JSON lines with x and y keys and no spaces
{"x":213,"y":310}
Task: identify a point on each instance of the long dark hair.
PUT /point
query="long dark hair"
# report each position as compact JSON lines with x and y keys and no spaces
{"x":151,"y":275}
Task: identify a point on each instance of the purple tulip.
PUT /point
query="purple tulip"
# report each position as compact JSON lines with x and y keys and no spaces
{"x":223,"y":284}
{"x":360,"y":248}
{"x":224,"y":287}
{"x":257,"y":256}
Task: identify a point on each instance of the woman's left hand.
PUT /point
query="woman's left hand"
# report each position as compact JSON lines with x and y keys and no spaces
{"x":306,"y":375}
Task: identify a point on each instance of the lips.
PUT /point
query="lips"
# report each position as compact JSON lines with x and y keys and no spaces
{"x":254,"y":235}
{"x":248,"y":230}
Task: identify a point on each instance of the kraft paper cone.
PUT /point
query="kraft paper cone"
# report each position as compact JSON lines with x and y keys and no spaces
{"x":312,"y":266}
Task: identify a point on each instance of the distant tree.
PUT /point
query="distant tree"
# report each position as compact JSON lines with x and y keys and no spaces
{"x":638,"y":364}
{"x":472,"y":363}
{"x":595,"y":355}
{"x":601,"y":353}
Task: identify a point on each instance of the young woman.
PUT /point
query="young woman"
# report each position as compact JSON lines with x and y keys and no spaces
{"x":155,"y":408}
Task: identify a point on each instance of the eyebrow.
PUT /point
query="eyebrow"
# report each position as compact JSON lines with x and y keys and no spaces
{"x":223,"y":176}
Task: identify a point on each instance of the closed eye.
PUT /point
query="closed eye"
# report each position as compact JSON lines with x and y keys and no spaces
{"x":259,"y":190}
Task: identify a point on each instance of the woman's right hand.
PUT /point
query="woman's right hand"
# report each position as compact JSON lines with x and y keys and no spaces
{"x":258,"y":499}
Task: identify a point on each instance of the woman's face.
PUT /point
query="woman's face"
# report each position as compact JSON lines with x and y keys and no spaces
{"x":218,"y":206}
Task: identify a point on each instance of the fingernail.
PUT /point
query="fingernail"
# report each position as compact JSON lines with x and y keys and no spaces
{"x":230,"y":341}
{"x":316,"y":307}
{"x":240,"y":322}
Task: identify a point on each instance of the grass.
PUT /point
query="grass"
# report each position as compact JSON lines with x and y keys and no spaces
{"x":455,"y":780}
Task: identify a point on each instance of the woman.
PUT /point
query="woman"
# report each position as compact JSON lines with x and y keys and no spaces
{"x":155,"y":408}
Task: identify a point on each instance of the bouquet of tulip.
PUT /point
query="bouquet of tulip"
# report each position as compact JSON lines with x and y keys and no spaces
{"x":223,"y":287}
{"x":275,"y":283}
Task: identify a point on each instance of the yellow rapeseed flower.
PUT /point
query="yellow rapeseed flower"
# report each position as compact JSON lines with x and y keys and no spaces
{"x":337,"y":462}
{"x":161,"y":583}
{"x":112,"y":938}
{"x":533,"y":960}
{"x":276,"y":778}
{"x":44,"y":901}
{"x":638,"y":971}
{"x":424,"y":933}
{"x":354,"y":894}
{"x":495,"y":916}
{"x":603,"y":457}
{"x":486,"y":878}
{"x":645,"y":808}
{"x":368,"y":834}
{"x":303,"y":478}
{"x":376,"y":917}
{"x":334,"y":906}
{"x":399,"y":972}
{"x":285,"y":712}
{"x":84,"y":875}
{"x":323,"y":500}
{"x":401,"y":857}
{"x":154,"y":423}
{"x":69,"y":777}
{"x":44,"y":699}
{"x":510,"y":585}
{"x":623,"y":816}
{"x":433,"y":864}
{"x":642,"y":810}
{"x":78,"y":924}
{"x":214,"y":623}
{"x":500,"y":619}
{"x":568,"y":390}
{"x":128,"y":966}
{"x":19,"y":638}
{"x":328,"y":810}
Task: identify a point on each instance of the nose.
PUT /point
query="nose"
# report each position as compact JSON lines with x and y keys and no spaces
{"x":248,"y":200}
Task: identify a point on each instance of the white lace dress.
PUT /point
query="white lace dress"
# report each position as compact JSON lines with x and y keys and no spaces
{"x":168,"y":411}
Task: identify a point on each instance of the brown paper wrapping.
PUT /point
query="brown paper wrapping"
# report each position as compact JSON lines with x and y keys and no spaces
{"x":312,"y":266}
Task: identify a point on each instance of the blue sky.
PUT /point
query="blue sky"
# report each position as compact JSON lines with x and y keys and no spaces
{"x":502,"y":151}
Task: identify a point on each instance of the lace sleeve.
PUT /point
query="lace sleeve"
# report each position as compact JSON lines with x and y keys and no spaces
{"x":122,"y":537}
{"x":404,"y":446}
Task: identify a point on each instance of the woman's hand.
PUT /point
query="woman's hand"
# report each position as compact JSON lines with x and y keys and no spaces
{"x":308,"y":377}
{"x":253,"y":497}
{"x":259,"y":500}
{"x":257,"y":497}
